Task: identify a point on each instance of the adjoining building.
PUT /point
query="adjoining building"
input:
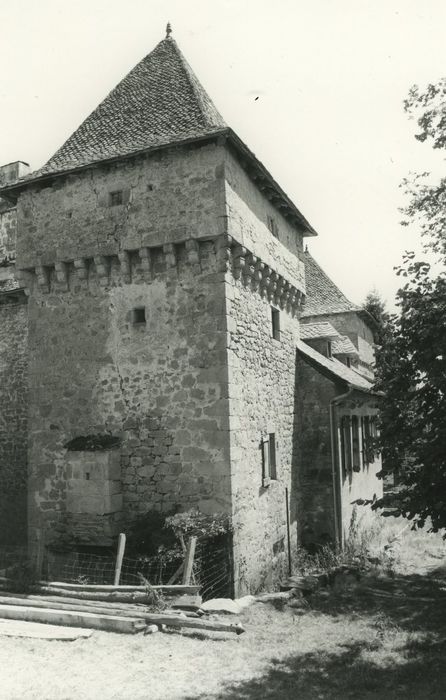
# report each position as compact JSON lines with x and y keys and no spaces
{"x":171,"y":337}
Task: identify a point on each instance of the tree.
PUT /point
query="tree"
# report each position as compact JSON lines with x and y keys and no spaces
{"x":411,"y":363}
{"x":375,"y":305}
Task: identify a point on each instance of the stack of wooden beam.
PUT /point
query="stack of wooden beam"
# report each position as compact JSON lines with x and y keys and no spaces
{"x":113,"y":608}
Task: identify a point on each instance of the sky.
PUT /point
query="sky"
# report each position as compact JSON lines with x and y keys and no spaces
{"x":315,"y":88}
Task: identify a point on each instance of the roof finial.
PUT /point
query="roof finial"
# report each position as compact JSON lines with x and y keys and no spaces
{"x":168,"y":30}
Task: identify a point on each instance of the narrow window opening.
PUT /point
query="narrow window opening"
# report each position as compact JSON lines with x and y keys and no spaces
{"x":275,"y":323}
{"x":272,"y":225}
{"x":87,"y":476}
{"x":115,"y":198}
{"x":272,"y":456}
{"x":269,"y":459}
{"x":139,"y":315}
{"x":329,"y":349}
{"x":348,"y":361}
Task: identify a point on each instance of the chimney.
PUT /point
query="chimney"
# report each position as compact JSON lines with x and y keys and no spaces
{"x":11,"y":172}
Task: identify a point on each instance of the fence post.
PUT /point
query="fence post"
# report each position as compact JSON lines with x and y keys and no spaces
{"x":119,"y":558}
{"x":189,"y":561}
{"x":40,"y":553}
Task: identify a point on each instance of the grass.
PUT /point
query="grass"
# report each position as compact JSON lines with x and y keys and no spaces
{"x":385,"y":638}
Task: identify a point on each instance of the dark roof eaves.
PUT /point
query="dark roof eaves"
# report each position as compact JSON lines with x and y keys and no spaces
{"x":333,"y":376}
{"x":20,"y":184}
{"x":211,"y":135}
{"x":241,"y":146}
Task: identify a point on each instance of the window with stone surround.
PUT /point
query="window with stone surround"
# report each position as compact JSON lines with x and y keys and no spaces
{"x":269,"y":459}
{"x":275,"y":323}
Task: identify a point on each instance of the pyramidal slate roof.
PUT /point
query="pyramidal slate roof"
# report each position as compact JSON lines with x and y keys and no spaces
{"x":322,"y":295}
{"x":159,"y":102}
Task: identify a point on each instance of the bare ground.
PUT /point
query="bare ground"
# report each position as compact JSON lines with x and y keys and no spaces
{"x":383,"y":639}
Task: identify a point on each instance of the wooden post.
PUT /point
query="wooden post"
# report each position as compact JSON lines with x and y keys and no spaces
{"x":189,"y":561}
{"x":288,"y":537}
{"x":40,"y":553}
{"x":119,"y":558}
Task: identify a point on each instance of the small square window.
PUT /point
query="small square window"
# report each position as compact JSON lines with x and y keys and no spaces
{"x":275,"y":323}
{"x":116,"y":198}
{"x":139,"y":315}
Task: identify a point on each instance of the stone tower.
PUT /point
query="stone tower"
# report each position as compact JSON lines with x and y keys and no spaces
{"x":164,"y":271}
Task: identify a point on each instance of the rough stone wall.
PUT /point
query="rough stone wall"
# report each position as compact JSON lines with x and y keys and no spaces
{"x":159,"y":386}
{"x":167,"y":197}
{"x":247,"y":211}
{"x":13,"y":419}
{"x":313,"y":395}
{"x":261,"y":379}
{"x":8,"y":218}
{"x":262,"y":386}
{"x":317,"y":458}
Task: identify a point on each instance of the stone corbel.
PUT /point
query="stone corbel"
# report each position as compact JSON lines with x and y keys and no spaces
{"x":224,"y":252}
{"x":192,"y":254}
{"x":146,"y":261}
{"x":239,"y":260}
{"x":62,"y":274}
{"x":102,"y":264}
{"x":126,"y":269}
{"x":169,"y":252}
{"x":43,"y":278}
{"x":81,"y":268}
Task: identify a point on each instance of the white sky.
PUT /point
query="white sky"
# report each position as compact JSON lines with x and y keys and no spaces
{"x":330,"y":76}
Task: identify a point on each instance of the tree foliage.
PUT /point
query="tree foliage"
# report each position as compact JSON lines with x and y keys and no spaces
{"x":411,"y":361}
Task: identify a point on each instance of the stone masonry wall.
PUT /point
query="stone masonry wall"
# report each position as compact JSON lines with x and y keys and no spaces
{"x":13,"y":420}
{"x":167,"y":197}
{"x":157,"y":387}
{"x":160,"y":386}
{"x":265,"y":271}
{"x":313,"y":394}
{"x":8,"y":219}
{"x":262,"y":385}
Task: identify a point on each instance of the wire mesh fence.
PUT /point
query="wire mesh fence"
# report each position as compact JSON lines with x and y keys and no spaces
{"x":211,"y":571}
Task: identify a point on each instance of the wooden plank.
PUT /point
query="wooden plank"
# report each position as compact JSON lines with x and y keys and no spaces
{"x":72,"y":618}
{"x":168,"y":590}
{"x":37,"y":630}
{"x":189,"y":560}
{"x":92,"y":606}
{"x":119,"y":558}
{"x":181,"y":602}
{"x":107,"y":621}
